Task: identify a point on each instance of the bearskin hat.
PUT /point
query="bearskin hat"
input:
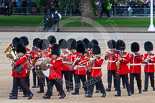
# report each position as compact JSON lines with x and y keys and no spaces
{"x":25,"y":39}
{"x":35,"y":41}
{"x":16,"y":40}
{"x":87,"y":43}
{"x":148,"y":46}
{"x":51,"y":39}
{"x":63,"y":43}
{"x":135,"y":47}
{"x":71,"y":43}
{"x":111,"y":44}
{"x":120,"y":45}
{"x":93,"y":43}
{"x":55,"y":50}
{"x":80,"y":48}
{"x":96,"y":50}
{"x":42,"y":44}
{"x":20,"y":48}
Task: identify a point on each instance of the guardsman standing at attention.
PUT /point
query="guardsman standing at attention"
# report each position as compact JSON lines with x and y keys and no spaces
{"x":111,"y":57}
{"x":55,"y":77}
{"x":19,"y":69}
{"x":96,"y":72}
{"x":149,"y":60}
{"x":80,"y":68}
{"x":123,"y":59}
{"x":135,"y":67}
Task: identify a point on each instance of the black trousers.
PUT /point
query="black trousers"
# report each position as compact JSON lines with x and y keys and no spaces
{"x":125,"y":78}
{"x":23,"y":85}
{"x":27,"y":79}
{"x":42,"y":83}
{"x":34,"y":78}
{"x":147,"y":75}
{"x":67,"y":75}
{"x":89,"y":80}
{"x":58,"y":84}
{"x":138,"y":79}
{"x":77,"y":82}
{"x":98,"y":82}
{"x":111,"y":73}
{"x":72,"y":73}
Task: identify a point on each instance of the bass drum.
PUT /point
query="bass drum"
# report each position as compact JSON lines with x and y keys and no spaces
{"x":41,"y":69}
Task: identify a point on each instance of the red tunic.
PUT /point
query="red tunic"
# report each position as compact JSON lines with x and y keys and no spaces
{"x":81,"y":63}
{"x":112,"y":60}
{"x":34,"y":58}
{"x":123,"y":70}
{"x":96,"y":68}
{"x":55,"y":69}
{"x":23,"y":60}
{"x":71,"y":58}
{"x":28,"y":61}
{"x":135,"y":63}
{"x":65,"y":62}
{"x":151,"y":60}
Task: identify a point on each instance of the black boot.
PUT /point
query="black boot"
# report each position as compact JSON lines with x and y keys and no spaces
{"x":86,"y":92}
{"x":129,"y":93}
{"x":145,"y":90}
{"x":13,"y":97}
{"x":62,"y":96}
{"x":30,"y":96}
{"x":88,"y":95}
{"x":108,"y":89}
{"x":97,"y":91}
{"x":46,"y":97}
{"x":117,"y":95}
{"x":33,"y":86}
{"x":153,"y":88}
{"x":103,"y":95}
{"x":75,"y":93}
{"x":140,"y":91}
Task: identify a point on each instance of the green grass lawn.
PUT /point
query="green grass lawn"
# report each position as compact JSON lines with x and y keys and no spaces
{"x":74,"y":21}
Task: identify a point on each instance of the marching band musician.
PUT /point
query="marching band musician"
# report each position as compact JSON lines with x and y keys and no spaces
{"x":65,"y":63}
{"x":71,"y":58}
{"x":135,"y":67}
{"x":122,"y":68}
{"x":96,"y":72}
{"x":26,"y":43}
{"x":14,"y":42}
{"x":52,"y":40}
{"x":20,"y":78}
{"x":55,"y":76}
{"x":94,"y":42}
{"x":149,"y":60}
{"x":111,"y":57}
{"x":43,"y":45}
{"x":35,"y":55}
{"x":80,"y":68}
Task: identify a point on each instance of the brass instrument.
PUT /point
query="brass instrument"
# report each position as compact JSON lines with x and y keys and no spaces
{"x":11,"y":53}
{"x":119,"y":56}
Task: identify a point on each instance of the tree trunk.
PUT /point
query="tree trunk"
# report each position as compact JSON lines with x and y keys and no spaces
{"x":87,"y":15}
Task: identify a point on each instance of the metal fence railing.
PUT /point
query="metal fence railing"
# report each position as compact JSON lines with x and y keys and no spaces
{"x":76,"y":11}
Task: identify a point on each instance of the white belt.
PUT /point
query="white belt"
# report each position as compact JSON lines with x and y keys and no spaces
{"x":65,"y":62}
{"x":111,"y":61}
{"x":96,"y":68}
{"x":150,"y":64}
{"x":134,"y":64}
{"x":81,"y":66}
